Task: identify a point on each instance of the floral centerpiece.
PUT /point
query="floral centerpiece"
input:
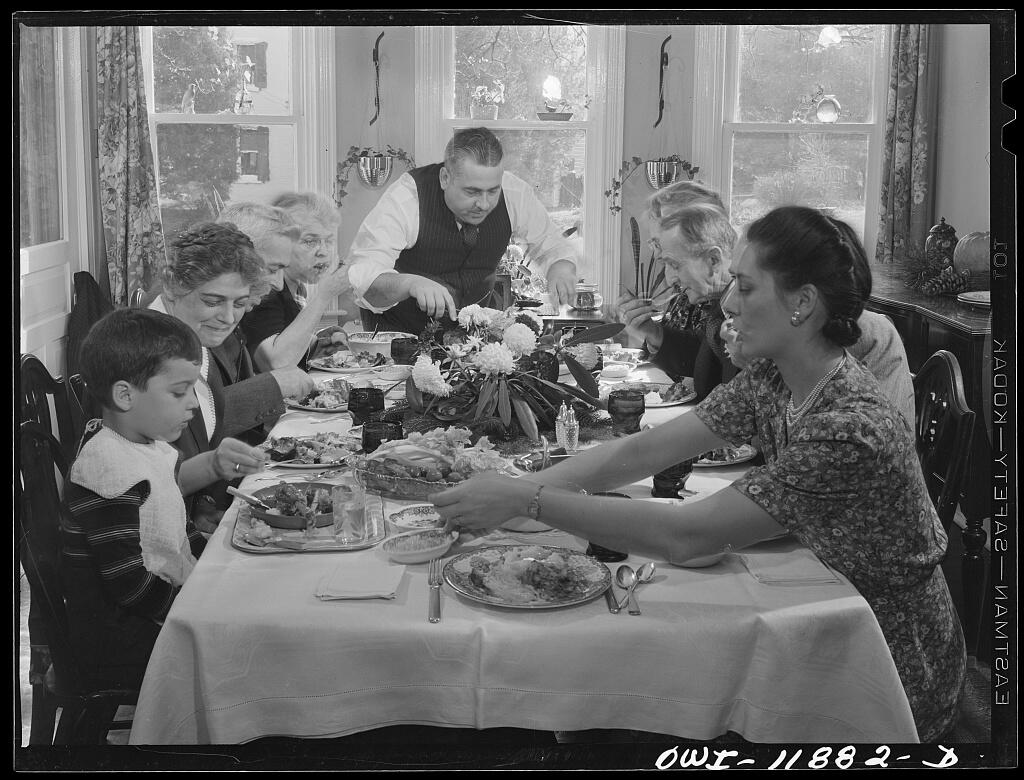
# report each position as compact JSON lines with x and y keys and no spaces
{"x":496,"y":373}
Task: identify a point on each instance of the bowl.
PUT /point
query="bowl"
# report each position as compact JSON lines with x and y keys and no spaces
{"x":416,"y":518}
{"x":394,"y":373}
{"x":291,"y":522}
{"x":419,"y":546}
{"x":380,"y":344}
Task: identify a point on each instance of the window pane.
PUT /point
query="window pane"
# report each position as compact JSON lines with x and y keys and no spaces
{"x":553,"y":162}
{"x":516,"y":62}
{"x":785,"y":70}
{"x":203,"y":166}
{"x":821,"y":170}
{"x":217,"y":70}
{"x":40,"y":200}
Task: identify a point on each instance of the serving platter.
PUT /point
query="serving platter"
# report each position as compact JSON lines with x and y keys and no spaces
{"x":292,"y":403}
{"x":585,"y":578}
{"x":741,"y":454}
{"x":323,"y":540}
{"x":338,"y":441}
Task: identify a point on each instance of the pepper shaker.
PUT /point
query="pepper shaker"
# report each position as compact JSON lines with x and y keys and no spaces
{"x":571,"y":431}
{"x":563,"y":412}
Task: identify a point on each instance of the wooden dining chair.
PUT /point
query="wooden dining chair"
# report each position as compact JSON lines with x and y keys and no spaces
{"x":944,"y":427}
{"x":48,"y":401}
{"x":87,"y":714}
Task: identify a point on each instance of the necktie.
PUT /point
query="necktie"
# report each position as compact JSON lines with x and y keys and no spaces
{"x":469,"y":235}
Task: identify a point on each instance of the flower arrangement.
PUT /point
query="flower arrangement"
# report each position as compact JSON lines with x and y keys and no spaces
{"x":486,"y":96}
{"x":495,"y":367}
{"x":629,"y":167}
{"x":344,"y":172}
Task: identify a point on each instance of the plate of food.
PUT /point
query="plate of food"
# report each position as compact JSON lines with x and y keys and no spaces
{"x":253,"y":535}
{"x":527,"y":576}
{"x":309,"y":452}
{"x":346,"y":362}
{"x":658,"y":394}
{"x":727,"y":456}
{"x":293,"y":503}
{"x":329,"y":396}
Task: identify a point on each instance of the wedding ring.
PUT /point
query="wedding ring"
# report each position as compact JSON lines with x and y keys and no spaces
{"x":238,"y":468}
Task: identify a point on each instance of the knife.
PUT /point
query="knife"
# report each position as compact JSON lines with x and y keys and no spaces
{"x":613,"y":605}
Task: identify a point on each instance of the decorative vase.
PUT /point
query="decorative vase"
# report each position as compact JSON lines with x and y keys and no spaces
{"x":486,"y":111}
{"x":661,"y":173}
{"x":375,"y":170}
{"x":939,"y":246}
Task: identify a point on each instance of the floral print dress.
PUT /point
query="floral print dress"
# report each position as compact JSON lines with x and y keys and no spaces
{"x":846,"y":481}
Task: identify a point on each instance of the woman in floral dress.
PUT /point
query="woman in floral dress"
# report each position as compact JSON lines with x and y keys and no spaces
{"x":840,"y":473}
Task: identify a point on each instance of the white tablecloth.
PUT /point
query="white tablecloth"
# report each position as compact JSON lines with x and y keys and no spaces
{"x":248,"y":651}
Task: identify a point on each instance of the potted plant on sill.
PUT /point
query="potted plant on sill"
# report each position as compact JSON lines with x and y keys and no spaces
{"x":486,"y":100}
{"x":374,"y":167}
{"x":660,"y":173}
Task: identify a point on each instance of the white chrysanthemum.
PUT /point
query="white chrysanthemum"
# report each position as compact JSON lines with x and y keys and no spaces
{"x":477,"y":315}
{"x":499,"y":322}
{"x":519,"y":338}
{"x":426,"y":375}
{"x":494,"y":359}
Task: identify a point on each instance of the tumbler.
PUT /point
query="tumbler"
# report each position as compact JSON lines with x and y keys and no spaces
{"x":626,"y":407}
{"x":365,"y":403}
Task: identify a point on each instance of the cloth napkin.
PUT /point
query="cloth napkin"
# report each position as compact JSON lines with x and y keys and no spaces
{"x":792,"y":567}
{"x":360,"y":577}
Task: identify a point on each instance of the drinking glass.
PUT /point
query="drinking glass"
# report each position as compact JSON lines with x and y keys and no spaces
{"x":626,"y":407}
{"x":404,"y":350}
{"x":667,"y":481}
{"x":377,"y":431}
{"x":365,"y":403}
{"x":349,"y":507}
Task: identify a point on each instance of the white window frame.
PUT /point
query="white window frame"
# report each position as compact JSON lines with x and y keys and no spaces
{"x":313,"y":115}
{"x":53,"y":264}
{"x":716,"y":84}
{"x":606,"y":47}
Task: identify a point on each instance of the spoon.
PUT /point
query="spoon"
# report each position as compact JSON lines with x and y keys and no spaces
{"x":247,"y":498}
{"x":644,"y":574}
{"x":626,"y":578}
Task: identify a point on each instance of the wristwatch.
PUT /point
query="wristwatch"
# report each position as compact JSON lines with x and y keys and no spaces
{"x":533,"y":510}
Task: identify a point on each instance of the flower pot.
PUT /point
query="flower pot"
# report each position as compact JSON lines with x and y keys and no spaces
{"x":375,"y":170}
{"x":487,"y":111}
{"x":661,"y":173}
{"x":554,"y":116}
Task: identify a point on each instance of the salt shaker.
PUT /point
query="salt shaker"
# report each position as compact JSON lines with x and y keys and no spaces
{"x":571,"y":431}
{"x":563,"y":412}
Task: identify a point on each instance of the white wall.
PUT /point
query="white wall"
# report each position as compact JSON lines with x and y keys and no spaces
{"x":962,"y":147}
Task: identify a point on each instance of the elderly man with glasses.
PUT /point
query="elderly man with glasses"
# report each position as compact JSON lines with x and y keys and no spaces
{"x":282,"y":330}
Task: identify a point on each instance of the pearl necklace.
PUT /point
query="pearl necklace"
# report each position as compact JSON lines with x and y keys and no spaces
{"x":794,"y":413}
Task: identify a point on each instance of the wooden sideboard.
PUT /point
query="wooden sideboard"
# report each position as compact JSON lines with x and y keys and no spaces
{"x":928,"y":323}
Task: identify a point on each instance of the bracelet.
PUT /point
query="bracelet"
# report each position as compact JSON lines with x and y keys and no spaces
{"x":533,"y":510}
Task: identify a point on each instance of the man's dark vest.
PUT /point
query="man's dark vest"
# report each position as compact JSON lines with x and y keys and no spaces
{"x":441,"y":255}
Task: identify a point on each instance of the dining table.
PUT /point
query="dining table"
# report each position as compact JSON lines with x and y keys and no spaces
{"x":249,"y":650}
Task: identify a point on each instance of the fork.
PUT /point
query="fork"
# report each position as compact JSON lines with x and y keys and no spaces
{"x":434,"y":580}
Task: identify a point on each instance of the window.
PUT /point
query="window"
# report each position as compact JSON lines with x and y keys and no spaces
{"x":552,"y":95}
{"x":203,"y":81}
{"x":798,"y":120}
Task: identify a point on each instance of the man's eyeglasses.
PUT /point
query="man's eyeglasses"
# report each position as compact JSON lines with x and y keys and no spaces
{"x":312,"y":243}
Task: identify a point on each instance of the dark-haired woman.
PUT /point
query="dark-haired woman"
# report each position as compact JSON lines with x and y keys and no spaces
{"x":841,"y":473}
{"x":207,"y":285}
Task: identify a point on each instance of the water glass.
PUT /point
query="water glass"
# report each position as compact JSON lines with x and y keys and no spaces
{"x":626,"y":407}
{"x":667,"y":482}
{"x":349,"y":507}
{"x":377,"y":431}
{"x":365,"y":403}
{"x":404,"y":350}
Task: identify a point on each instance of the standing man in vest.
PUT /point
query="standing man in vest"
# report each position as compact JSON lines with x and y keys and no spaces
{"x":433,"y":242}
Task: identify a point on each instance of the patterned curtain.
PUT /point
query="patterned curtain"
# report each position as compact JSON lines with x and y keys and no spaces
{"x":908,"y":165}
{"x":132,"y":231}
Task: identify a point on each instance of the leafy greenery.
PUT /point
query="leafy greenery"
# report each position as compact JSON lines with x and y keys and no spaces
{"x":344,"y":173}
{"x":629,"y":167}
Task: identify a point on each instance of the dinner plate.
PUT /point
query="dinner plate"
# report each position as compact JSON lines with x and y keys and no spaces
{"x":291,"y":403}
{"x":322,"y":364}
{"x":684,"y":400}
{"x":980,"y":298}
{"x":586,"y":578}
{"x":744,"y":453}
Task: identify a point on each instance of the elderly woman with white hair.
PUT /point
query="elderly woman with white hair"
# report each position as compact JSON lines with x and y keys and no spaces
{"x":282,"y":330}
